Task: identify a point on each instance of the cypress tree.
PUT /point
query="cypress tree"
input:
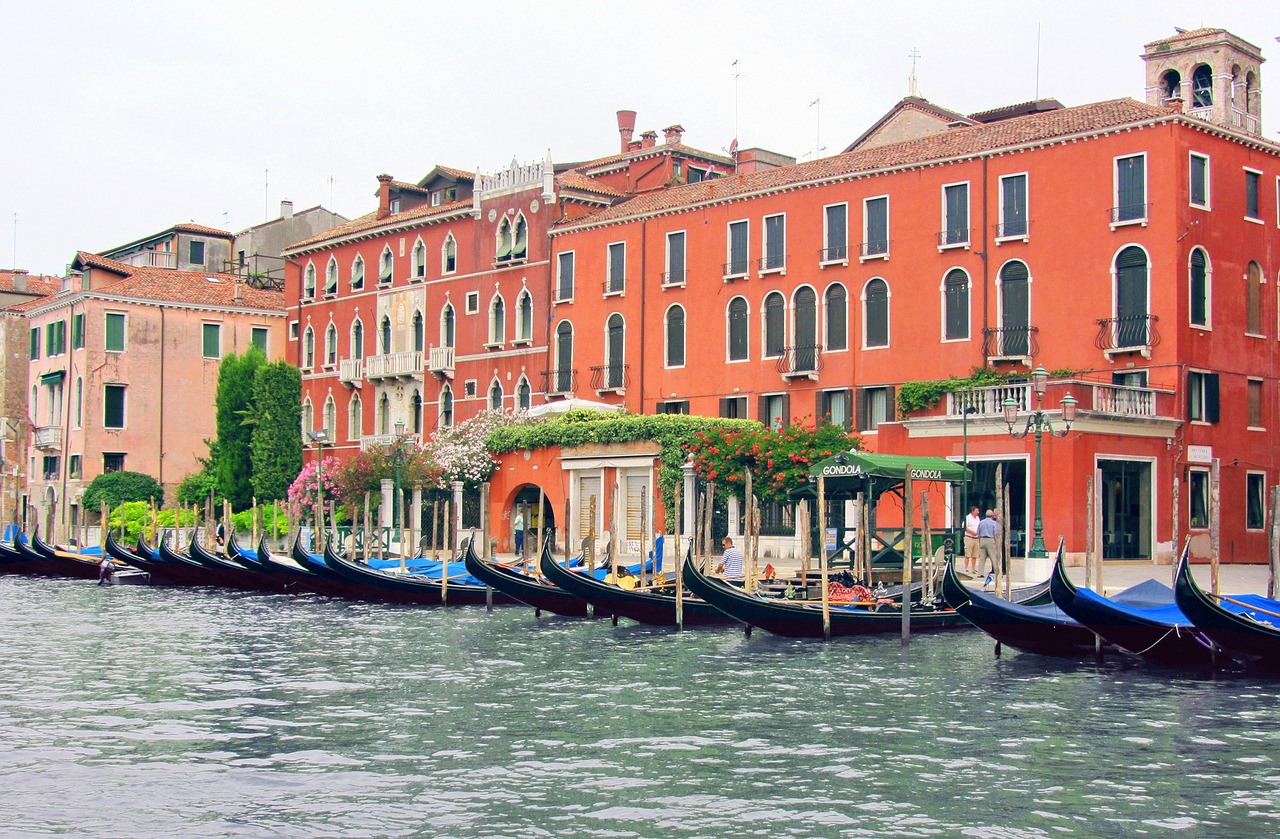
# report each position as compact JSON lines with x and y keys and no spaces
{"x":234,"y":403}
{"x":276,"y":446}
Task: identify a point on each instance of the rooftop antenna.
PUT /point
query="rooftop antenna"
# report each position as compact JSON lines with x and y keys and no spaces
{"x":15,"y":240}
{"x":737,"y":74}
{"x":1037,"y":99}
{"x":818,"y":148}
{"x":266,"y":201}
{"x":331,"y":192}
{"x":913,"y":85}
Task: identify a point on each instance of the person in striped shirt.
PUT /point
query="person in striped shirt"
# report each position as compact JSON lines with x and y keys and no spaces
{"x":731,"y":561}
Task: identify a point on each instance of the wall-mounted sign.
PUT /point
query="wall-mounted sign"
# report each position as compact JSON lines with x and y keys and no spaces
{"x":1200,"y":454}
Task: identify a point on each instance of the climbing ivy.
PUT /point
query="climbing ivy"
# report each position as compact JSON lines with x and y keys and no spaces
{"x":917,"y":396}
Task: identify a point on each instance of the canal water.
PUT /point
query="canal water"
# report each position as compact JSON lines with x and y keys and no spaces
{"x":200,"y":713}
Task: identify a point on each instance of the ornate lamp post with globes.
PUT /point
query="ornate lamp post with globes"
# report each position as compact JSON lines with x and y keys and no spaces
{"x":1039,"y":424}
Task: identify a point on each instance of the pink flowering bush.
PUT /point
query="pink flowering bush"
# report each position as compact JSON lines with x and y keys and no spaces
{"x":302,"y":492}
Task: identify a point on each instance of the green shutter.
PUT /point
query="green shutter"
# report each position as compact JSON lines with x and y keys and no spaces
{"x":114,"y":341}
{"x":212,"y":342}
{"x":35,"y":343}
{"x":113,"y":406}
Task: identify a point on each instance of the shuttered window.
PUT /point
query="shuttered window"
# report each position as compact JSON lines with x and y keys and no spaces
{"x":876,"y":317}
{"x":956,"y":208}
{"x":675,"y":336}
{"x":956,"y":304}
{"x":1202,"y":397}
{"x":212,"y":340}
{"x":1199,"y":291}
{"x":1199,"y":180}
{"x":775,"y":325}
{"x":1251,"y":183}
{"x":775,"y":242}
{"x":1013,"y":205}
{"x":737,"y":248}
{"x":588,"y":489}
{"x":675,"y":259}
{"x":114,"y":338}
{"x":34,"y":350}
{"x":837,"y":318}
{"x":837,"y":233}
{"x":564,"y":284}
{"x":738,"y":321}
{"x":617,"y":267}
{"x":77,"y":331}
{"x":637,"y":506}
{"x":113,"y":406}
{"x":1131,"y":188}
{"x":876,"y":241}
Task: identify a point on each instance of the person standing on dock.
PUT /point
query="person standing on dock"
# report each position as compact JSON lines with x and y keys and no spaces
{"x":971,"y":542}
{"x":987,"y":529}
{"x":519,"y":525}
{"x":731,"y":561}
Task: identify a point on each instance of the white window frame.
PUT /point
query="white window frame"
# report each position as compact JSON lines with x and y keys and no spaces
{"x":309,"y":281}
{"x":1026,"y":181}
{"x":363,"y":267}
{"x":1146,"y":191}
{"x":666,"y":337}
{"x":1247,"y":475}
{"x":862,"y":298}
{"x":823,"y":260}
{"x":495,"y":382}
{"x":888,"y":238}
{"x":124,"y":332}
{"x":1202,"y":407}
{"x":1208,"y":290}
{"x":781,"y":270}
{"x":517,"y":337}
{"x":1249,"y":170}
{"x":728,"y":250}
{"x":496,"y":338}
{"x":358,"y":426}
{"x":728,"y":331}
{"x":445,"y":270}
{"x":764,"y":324}
{"x":388,"y":257}
{"x":609,"y":290}
{"x":472,"y":303}
{"x":351,"y":338}
{"x":826,"y":317}
{"x":331,"y":268}
{"x":968,"y":214}
{"x":1208,"y":181}
{"x":559,"y":264}
{"x":218,"y":353}
{"x":942,"y":297}
{"x":667,"y":282}
{"x":418,"y":261}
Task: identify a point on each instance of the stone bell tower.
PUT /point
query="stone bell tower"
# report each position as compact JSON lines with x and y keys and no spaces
{"x":1215,"y":76}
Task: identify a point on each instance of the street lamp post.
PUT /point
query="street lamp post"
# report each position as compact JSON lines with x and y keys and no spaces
{"x":1039,"y":423}
{"x":320,"y":436}
{"x":964,"y":430}
{"x":396,"y":450}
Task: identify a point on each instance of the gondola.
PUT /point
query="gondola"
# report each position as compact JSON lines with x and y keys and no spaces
{"x":803,"y":619}
{"x":527,"y":588}
{"x":1145,"y":621}
{"x":240,"y":576}
{"x":43,"y":560}
{"x":416,"y":588}
{"x":1032,"y":628}
{"x":1245,"y":626}
{"x":651,"y":606}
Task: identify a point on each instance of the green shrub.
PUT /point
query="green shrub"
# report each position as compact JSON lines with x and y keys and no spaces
{"x":116,"y":488}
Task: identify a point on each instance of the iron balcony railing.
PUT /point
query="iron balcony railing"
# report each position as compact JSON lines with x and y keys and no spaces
{"x":737,"y":268}
{"x":953,"y":236}
{"x":878,"y":247}
{"x":610,"y":377}
{"x":836,"y":253}
{"x":1136,"y":333}
{"x":560,"y":381}
{"x":1011,"y":229}
{"x":771,"y":262}
{"x":1129,"y":212}
{"x":800,"y":361}
{"x":673,"y":277}
{"x":614,"y":285}
{"x":1010,"y":342}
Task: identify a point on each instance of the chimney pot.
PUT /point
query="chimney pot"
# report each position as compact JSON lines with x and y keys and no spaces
{"x":648,"y":139}
{"x":1174,"y":102}
{"x":286,"y":209}
{"x":384,"y":195}
{"x":672,"y":133}
{"x":626,"y":127}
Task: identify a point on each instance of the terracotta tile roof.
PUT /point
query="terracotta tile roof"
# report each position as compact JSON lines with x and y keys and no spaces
{"x":94,"y":260}
{"x":688,"y":151}
{"x":404,"y":186}
{"x":915,"y":103}
{"x":369,"y":221}
{"x":576,"y":180}
{"x":191,"y":227}
{"x":460,"y":174}
{"x":953,"y":143}
{"x":1188,"y":35}
{"x":37,"y":284}
{"x":193,"y":287}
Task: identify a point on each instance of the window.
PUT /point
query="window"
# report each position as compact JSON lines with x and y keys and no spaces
{"x":1253,"y":299}
{"x":419,"y":259}
{"x":520,"y":248}
{"x":212,"y":346}
{"x":355,"y":418}
{"x":617,"y":268}
{"x":672,"y":407}
{"x":875,"y":318}
{"x":1013,"y":207}
{"x":837,"y":331}
{"x":875,"y":227}
{"x":955,"y":215}
{"x":564,"y":277}
{"x":1202,"y":397}
{"x":1256,"y":419}
{"x":564,"y":358}
{"x":835,"y":233}
{"x":258,"y":337}
{"x":55,"y":338}
{"x":419,"y":331}
{"x":113,"y":406}
{"x":615,"y":353}
{"x":75,"y":467}
{"x":875,"y":405}
{"x":775,"y":243}
{"x":446,"y":407}
{"x":77,"y":331}
{"x":308,"y":349}
{"x":385,"y":265}
{"x":473,"y":302}
{"x":524,"y":394}
{"x":197,"y":253}
{"x":1255,"y":493}
{"x":357,"y":274}
{"x":734,"y":407}
{"x":955,"y":305}
{"x":738,"y":316}
{"x":293,"y":330}
{"x":357,"y":338}
{"x":331,"y":277}
{"x":1131,"y":190}
{"x":737,"y":266}
{"x":1199,"y":290}
{"x":447,"y":326}
{"x":1199,"y":500}
{"x":804,"y":348}
{"x":77,"y":410}
{"x":384,"y":414}
{"x":112,"y":462}
{"x":775,"y":325}
{"x":449,"y":255}
{"x":1202,"y":87}
{"x":503,"y":240}
{"x":330,"y":417}
{"x":497,"y":320}
{"x":675,"y":259}
{"x":1251,"y":183}
{"x":331,"y":351}
{"x":114,"y":332}
{"x":415,"y":406}
{"x":775,"y":410}
{"x":495,"y":396}
{"x":1132,"y":327}
{"x":308,"y":415}
{"x":1199,"y":181}
{"x":524,"y":318}
{"x":675,"y":336}
{"x":51,"y":467}
{"x":835,"y":407}
{"x":385,"y":347}
{"x":309,"y":282}
{"x":34,"y":349}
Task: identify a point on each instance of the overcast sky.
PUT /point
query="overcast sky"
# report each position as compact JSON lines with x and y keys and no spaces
{"x":125,"y":118}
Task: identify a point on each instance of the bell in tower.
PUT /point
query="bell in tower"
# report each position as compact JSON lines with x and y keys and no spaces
{"x":1209,"y":73}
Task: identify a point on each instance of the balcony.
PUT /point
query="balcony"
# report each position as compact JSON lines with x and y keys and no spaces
{"x":673,"y":279}
{"x":1012,"y":230}
{"x":736,"y":269}
{"x":614,"y":285}
{"x":610,"y":378}
{"x":1205,"y":113}
{"x":378,"y":442}
{"x":875,"y":249}
{"x":953,"y":238}
{"x":771,"y":263}
{"x":351,"y":371}
{"x":1121,"y":401}
{"x":988,"y":401}
{"x":396,"y":365}
{"x":440,"y":361}
{"x":1011,"y":343}
{"x":1131,"y":334}
{"x":1244,"y":121}
{"x":48,"y":437}
{"x":561,"y":382}
{"x":802,"y":362}
{"x":834,"y":254}
{"x":1129,"y":214}
{"x":153,"y":259}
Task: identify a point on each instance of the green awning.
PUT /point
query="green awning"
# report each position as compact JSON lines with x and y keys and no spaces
{"x":860,"y":465}
{"x":53,"y":378}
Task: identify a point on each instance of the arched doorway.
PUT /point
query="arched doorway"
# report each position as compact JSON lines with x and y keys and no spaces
{"x":525,"y":499}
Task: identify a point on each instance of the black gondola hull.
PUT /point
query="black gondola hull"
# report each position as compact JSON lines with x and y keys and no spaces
{"x":525,"y":588}
{"x":1243,"y":639}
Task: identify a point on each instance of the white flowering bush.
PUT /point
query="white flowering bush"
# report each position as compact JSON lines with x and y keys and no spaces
{"x":462,"y":452}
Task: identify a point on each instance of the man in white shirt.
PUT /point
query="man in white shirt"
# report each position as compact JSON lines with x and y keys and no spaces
{"x":971,"y":542}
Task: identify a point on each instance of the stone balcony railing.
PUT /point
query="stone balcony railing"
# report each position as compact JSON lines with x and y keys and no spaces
{"x":440,"y":361}
{"x":48,"y":437}
{"x":350,"y":370}
{"x":394,"y":365}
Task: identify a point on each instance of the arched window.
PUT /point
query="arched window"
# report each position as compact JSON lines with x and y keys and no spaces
{"x":446,"y":407}
{"x":419,"y":331}
{"x":419,"y":259}
{"x":308,"y":417}
{"x":955,"y":305}
{"x":804,"y":330}
{"x":330,"y":417}
{"x":1171,"y":84}
{"x":417,"y":411}
{"x":308,"y":349}
{"x":331,"y":346}
{"x":524,"y":394}
{"x":1131,"y":298}
{"x":1015,"y":310}
{"x":521,"y":245}
{"x":331,"y":277}
{"x":875,"y":305}
{"x":497,"y":320}
{"x":446,"y":326}
{"x":739,"y":315}
{"x":449,"y":255}
{"x":1202,"y":87}
{"x":385,"y":266}
{"x":675,"y":336}
{"x":357,"y":338}
{"x":309,"y":281}
{"x":357,"y":273}
{"x":524,"y":316}
{"x":495,"y":396}
{"x":1199,"y":292}
{"x":615,"y":351}
{"x":564,"y":357}
{"x":355,"y":418}
{"x":505,"y":241}
{"x":384,"y":414}
{"x":775,"y":325}
{"x":1253,"y":299}
{"x":386,"y":335}
{"x":837,"y":320}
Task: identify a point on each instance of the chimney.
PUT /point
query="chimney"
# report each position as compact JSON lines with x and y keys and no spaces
{"x":626,"y":127}
{"x":384,"y":195}
{"x":237,"y":294}
{"x":286,"y":209}
{"x":1174,"y":102}
{"x":20,"y":279}
{"x":672,"y":134}
{"x":648,"y":139}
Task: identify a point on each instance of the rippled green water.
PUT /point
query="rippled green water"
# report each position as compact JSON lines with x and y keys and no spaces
{"x":150,"y":712}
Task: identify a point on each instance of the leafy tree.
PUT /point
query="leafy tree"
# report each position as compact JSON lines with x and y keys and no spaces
{"x":276,"y":442}
{"x":194,"y":488}
{"x":234,"y":402}
{"x":133,"y":517}
{"x":116,"y":488}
